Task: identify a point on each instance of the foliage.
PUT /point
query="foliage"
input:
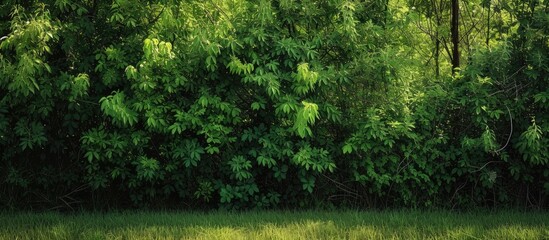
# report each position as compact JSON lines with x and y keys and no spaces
{"x":262,"y":104}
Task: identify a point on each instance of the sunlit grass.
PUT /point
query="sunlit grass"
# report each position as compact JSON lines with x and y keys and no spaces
{"x":277,"y":225}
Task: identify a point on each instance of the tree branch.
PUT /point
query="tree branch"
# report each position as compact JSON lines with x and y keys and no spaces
{"x":510,"y":133}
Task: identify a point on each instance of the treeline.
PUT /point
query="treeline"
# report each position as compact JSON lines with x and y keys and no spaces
{"x":245,"y":104}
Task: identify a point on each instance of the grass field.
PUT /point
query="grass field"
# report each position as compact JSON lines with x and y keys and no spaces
{"x":277,"y":225}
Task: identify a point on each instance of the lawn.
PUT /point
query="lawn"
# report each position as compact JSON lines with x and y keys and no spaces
{"x":277,"y":225}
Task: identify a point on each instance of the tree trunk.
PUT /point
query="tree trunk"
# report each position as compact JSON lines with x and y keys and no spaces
{"x":437,"y":57}
{"x":438,"y":16}
{"x":455,"y":35}
{"x":488,"y":25}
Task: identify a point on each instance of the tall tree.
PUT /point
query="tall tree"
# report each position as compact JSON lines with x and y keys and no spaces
{"x":455,"y":35}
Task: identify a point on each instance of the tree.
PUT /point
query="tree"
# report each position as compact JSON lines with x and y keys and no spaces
{"x":455,"y":35}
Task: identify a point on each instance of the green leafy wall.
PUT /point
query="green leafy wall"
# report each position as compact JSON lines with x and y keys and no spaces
{"x":266,"y":104}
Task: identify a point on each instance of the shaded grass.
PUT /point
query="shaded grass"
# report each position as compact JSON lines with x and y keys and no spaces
{"x":277,"y":225}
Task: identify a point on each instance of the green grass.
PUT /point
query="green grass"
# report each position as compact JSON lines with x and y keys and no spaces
{"x":277,"y":225}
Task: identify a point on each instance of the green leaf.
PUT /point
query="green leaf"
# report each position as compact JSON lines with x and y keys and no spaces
{"x":347,"y":148}
{"x":256,"y":106}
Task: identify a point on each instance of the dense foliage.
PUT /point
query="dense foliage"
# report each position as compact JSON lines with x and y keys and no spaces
{"x":273,"y":103}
